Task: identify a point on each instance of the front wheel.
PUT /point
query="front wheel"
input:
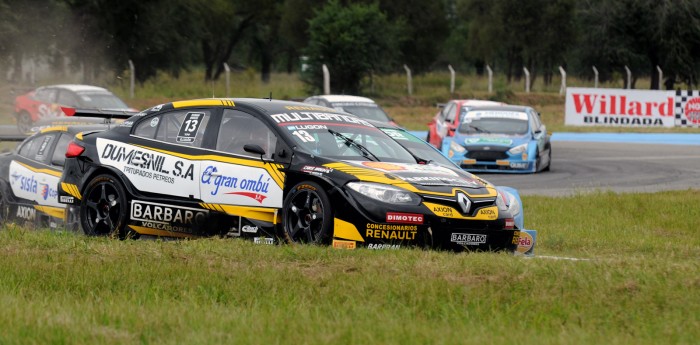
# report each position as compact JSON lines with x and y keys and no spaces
{"x":103,"y":211}
{"x":307,"y":216}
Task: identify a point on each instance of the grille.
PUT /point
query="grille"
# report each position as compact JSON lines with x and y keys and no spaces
{"x":487,"y":155}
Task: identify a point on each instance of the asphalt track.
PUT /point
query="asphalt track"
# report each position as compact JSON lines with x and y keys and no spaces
{"x":589,"y":162}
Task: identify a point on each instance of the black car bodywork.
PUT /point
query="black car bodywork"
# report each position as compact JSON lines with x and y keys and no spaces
{"x":275,"y":170}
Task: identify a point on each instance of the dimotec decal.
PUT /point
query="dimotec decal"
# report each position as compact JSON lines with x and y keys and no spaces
{"x":150,"y":170}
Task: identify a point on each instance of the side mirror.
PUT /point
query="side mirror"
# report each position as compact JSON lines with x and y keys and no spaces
{"x":254,"y":148}
{"x":440,"y":105}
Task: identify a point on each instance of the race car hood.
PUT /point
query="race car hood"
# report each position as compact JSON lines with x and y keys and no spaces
{"x":491,"y":140}
{"x":425,"y":177}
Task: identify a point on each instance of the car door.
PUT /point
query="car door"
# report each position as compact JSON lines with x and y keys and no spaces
{"x":539,"y":132}
{"x":445,"y":120}
{"x":247,"y":181}
{"x":46,"y":106}
{"x":34,"y":179}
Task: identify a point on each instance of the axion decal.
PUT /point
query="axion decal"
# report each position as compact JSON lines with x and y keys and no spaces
{"x":26,"y":212}
{"x":254,"y":188}
{"x":310,"y":116}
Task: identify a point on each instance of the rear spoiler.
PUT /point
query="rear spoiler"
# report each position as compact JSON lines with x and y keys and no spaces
{"x":13,"y":137}
{"x":99,"y":113}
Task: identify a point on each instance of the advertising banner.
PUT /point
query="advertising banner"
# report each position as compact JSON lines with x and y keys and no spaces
{"x":687,"y":108}
{"x":621,"y":107}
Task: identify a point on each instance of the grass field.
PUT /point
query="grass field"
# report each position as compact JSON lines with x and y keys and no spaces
{"x":636,"y":284}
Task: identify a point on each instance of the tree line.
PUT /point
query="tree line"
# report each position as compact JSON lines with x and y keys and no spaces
{"x":356,"y":39}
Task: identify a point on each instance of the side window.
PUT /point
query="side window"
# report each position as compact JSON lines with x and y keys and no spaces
{"x":46,"y":95}
{"x":59,"y":153}
{"x":238,"y":129}
{"x":451,"y":112}
{"x":38,"y":148}
{"x":66,"y":97}
{"x":147,"y":127}
{"x":184,"y":127}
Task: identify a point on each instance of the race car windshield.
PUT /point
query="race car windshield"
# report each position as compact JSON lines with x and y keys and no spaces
{"x":348,"y":142}
{"x":101,"y":101}
{"x":370,"y":112}
{"x":486,"y":125}
{"x":419,"y":148}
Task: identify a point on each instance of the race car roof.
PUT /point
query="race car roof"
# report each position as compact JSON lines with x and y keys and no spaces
{"x":79,"y":88}
{"x":346,"y":99}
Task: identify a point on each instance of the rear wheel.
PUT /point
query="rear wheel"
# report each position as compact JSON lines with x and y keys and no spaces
{"x":103,"y":210}
{"x":307,"y":216}
{"x":24,"y":122}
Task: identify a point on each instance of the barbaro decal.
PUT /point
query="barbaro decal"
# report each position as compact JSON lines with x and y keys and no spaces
{"x":148,"y":212}
{"x":468,"y":239}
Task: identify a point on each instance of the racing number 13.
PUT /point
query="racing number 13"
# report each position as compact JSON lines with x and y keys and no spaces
{"x":304,"y":136}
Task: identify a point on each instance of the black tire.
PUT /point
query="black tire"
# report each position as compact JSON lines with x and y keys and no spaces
{"x":549,"y":161}
{"x":24,"y":122}
{"x":4,"y":209}
{"x":307,"y":216}
{"x":103,"y":210}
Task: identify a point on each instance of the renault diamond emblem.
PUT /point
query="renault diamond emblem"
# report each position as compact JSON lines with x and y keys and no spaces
{"x":464,"y":202}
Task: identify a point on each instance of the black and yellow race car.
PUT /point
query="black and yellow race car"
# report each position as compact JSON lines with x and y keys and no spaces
{"x":275,"y":171}
{"x":29,"y":177}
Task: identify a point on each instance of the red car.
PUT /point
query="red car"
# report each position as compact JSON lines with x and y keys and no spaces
{"x":45,"y":102}
{"x":448,"y":118}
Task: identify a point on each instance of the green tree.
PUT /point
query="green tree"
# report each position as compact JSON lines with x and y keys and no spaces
{"x":353,"y":41}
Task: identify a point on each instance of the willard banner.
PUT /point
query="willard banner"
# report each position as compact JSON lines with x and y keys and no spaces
{"x":620,"y":107}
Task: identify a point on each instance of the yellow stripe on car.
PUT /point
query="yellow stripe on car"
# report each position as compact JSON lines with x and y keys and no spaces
{"x":346,"y":230}
{"x":258,"y":213}
{"x":58,"y":212}
{"x":40,"y":170}
{"x":203,"y":103}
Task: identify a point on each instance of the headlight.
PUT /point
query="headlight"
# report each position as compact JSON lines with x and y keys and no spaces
{"x":385,"y":193}
{"x":518,"y":149}
{"x":456,"y":147}
{"x":508,"y":202}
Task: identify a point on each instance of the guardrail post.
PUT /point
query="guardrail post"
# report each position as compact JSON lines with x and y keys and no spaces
{"x":629,"y":77}
{"x":132,"y":78}
{"x":228,"y":80}
{"x":326,"y":80}
{"x":595,"y":72}
{"x":409,"y":80}
{"x":452,"y":79}
{"x":527,"y":80}
{"x":563,"y":80}
{"x":661,"y":76}
{"x":490,"y":71}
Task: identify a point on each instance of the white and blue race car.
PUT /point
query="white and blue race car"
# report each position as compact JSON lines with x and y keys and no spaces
{"x":509,"y":139}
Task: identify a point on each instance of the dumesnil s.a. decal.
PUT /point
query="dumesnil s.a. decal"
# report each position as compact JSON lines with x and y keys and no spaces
{"x":276,"y":171}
